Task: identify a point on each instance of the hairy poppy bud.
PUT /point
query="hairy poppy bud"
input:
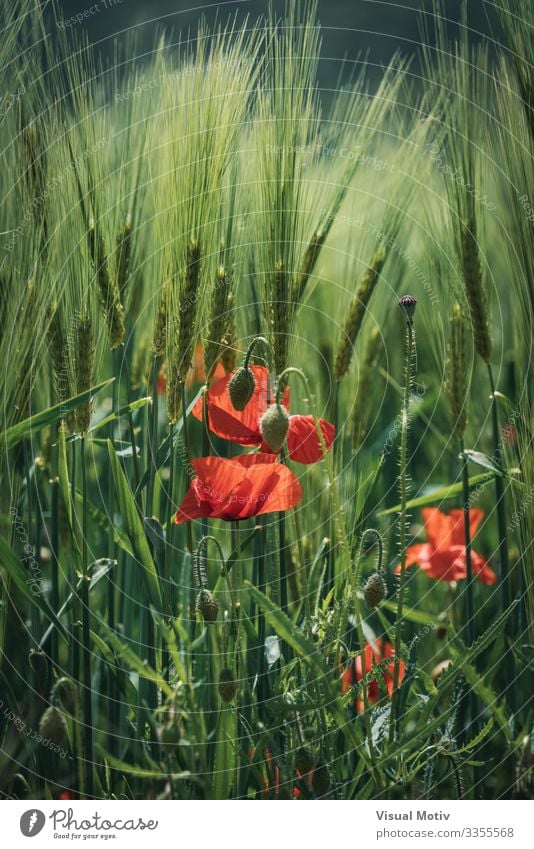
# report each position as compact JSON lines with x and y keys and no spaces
{"x":321,"y":780}
{"x":53,"y":725}
{"x":207,"y":605}
{"x":241,"y":388}
{"x":408,"y":304}
{"x":227,"y":686}
{"x":374,"y":590}
{"x":304,"y":760}
{"x":274,"y":425}
{"x":64,"y":692}
{"x":170,"y":734}
{"x":39,"y":665}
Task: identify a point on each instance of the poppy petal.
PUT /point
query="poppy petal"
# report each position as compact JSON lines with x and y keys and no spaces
{"x":240,"y":426}
{"x":482,"y":569}
{"x":244,"y":486}
{"x":303,"y":443}
{"x":438,"y":527}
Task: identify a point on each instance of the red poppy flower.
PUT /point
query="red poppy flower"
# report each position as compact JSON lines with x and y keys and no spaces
{"x":239,"y":488}
{"x":303,"y":444}
{"x":443,"y":556}
{"x":374,"y":653}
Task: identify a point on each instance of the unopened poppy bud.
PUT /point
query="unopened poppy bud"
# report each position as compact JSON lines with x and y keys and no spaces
{"x":170,"y":734}
{"x":207,"y":605}
{"x":64,"y":692}
{"x":408,"y":304}
{"x":374,"y":590}
{"x":241,"y":388}
{"x":39,"y":665}
{"x":274,"y":425}
{"x":304,"y":760}
{"x":53,"y":725}
{"x":227,"y":686}
{"x":321,"y":780}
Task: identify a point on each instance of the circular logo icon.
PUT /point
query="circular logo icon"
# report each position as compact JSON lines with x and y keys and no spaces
{"x":32,"y":822}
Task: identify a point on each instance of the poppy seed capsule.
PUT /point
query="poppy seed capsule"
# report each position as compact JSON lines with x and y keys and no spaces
{"x":408,"y":304}
{"x":274,"y":425}
{"x":53,"y":725}
{"x":207,"y":605}
{"x":374,"y":590}
{"x":227,"y":686}
{"x":241,"y":388}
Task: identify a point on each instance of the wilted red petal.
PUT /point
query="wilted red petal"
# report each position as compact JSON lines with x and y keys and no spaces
{"x":244,"y":486}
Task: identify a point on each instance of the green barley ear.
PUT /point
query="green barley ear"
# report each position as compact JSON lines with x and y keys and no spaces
{"x":356,"y":314}
{"x":188,"y":308}
{"x":457,"y":370}
{"x":140,"y":363}
{"x":124,"y":252}
{"x":159,"y":342}
{"x":217,"y":321}
{"x":229,"y":340}
{"x":279,"y":294}
{"x":108,"y":290}
{"x":367,"y":377}
{"x":58,"y":355}
{"x":84,"y":368}
{"x":308,"y":262}
{"x":476,"y":290}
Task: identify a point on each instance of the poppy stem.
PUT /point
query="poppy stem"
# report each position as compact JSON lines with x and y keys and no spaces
{"x":86,"y":642}
{"x":403,"y":485}
{"x":250,"y":349}
{"x":499,"y":493}
{"x":470,"y":608}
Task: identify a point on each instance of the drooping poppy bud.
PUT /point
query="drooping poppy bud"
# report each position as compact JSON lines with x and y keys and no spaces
{"x":207,"y":605}
{"x":227,"y":686}
{"x":274,"y":425}
{"x":53,"y":725}
{"x":241,"y":388}
{"x":374,"y":590}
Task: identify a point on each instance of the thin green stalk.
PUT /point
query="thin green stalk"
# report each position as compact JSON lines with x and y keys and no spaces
{"x":345,"y":544}
{"x":152,"y":436}
{"x":110,"y":695}
{"x":403,"y":484}
{"x":467,"y":535}
{"x":54,"y":542}
{"x":86,"y":640}
{"x":499,"y":495}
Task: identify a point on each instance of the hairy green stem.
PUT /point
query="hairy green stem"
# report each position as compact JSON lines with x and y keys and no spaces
{"x":403,"y":485}
{"x":86,"y":640}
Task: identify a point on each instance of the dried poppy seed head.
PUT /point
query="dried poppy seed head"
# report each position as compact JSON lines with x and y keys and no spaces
{"x":207,"y":605}
{"x":53,"y":725}
{"x":241,"y":388}
{"x":408,"y":304}
{"x":274,"y":425}
{"x":227,"y":685}
{"x":375,"y":590}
